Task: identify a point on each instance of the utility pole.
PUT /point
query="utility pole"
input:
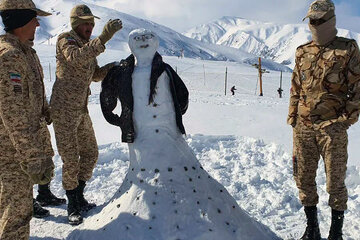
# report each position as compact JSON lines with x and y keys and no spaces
{"x":260,"y":77}
{"x":280,"y":90}
{"x":225,"y":80}
{"x":261,"y":71}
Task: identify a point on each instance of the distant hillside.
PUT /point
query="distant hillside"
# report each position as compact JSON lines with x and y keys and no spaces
{"x":269,"y":40}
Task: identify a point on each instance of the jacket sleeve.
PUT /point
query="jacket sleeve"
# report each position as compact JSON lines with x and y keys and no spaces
{"x":182,"y":92}
{"x":108,"y":98}
{"x":294,"y":95}
{"x":353,"y":77}
{"x":101,"y":72}
{"x":73,"y":53}
{"x":14,"y":112}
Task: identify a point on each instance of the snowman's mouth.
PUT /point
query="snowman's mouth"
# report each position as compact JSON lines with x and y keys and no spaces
{"x":144,"y":46}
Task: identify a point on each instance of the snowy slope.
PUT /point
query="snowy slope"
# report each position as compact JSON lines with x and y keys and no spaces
{"x":269,"y":40}
{"x":171,"y":42}
{"x":242,"y":141}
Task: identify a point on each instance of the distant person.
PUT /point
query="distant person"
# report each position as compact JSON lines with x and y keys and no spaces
{"x":280,"y":91}
{"x":25,"y":148}
{"x":324,"y":103}
{"x":233,"y":90}
{"x":76,"y":68}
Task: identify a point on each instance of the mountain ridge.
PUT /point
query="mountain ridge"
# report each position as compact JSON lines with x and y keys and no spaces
{"x":277,"y":42}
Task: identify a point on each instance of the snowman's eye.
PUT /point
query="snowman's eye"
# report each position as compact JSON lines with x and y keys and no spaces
{"x":143,"y":37}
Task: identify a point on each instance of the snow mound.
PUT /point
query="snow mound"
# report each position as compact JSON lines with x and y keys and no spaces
{"x":177,"y":199}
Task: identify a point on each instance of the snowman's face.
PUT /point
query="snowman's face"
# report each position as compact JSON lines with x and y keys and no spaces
{"x":143,"y":43}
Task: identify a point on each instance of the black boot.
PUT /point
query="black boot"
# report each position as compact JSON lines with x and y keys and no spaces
{"x":38,"y":211}
{"x":337,"y":220}
{"x":74,"y":215}
{"x":84,"y":204}
{"x":312,"y":231}
{"x":47,"y":198}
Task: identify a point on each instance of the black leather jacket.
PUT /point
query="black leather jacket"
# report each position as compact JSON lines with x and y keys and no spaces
{"x":118,"y":85}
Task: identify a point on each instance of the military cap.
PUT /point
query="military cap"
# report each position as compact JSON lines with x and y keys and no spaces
{"x":319,"y":8}
{"x":82,"y":12}
{"x":21,"y":4}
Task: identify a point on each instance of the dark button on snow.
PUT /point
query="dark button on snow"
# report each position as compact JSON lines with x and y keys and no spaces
{"x":185,"y":168}
{"x":157,"y":130}
{"x":154,"y":116}
{"x":170,"y":169}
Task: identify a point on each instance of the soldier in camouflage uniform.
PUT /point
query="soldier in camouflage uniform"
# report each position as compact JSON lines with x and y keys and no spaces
{"x":76,"y":68}
{"x":324,"y":102}
{"x":25,"y":148}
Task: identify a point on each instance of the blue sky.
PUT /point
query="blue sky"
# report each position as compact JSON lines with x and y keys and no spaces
{"x":184,"y":14}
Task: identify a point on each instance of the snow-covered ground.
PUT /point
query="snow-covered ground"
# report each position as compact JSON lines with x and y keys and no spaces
{"x":242,"y":141}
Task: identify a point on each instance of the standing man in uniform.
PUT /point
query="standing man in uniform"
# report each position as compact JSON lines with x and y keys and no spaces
{"x":76,"y":69}
{"x":25,"y":148}
{"x":324,"y":102}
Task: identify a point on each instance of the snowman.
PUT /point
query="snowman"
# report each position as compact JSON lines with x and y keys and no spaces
{"x":166,"y":194}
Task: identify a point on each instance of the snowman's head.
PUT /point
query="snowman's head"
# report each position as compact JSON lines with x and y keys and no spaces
{"x":143,"y":43}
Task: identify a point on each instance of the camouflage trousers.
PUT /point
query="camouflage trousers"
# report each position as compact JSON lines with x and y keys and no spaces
{"x":331,"y":144}
{"x":16,"y":201}
{"x":77,"y":146}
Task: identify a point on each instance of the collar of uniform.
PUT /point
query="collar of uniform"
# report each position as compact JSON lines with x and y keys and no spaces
{"x":78,"y":38}
{"x":313,"y":44}
{"x":16,"y":41}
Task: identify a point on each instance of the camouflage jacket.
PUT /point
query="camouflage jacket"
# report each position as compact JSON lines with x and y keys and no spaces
{"x":76,"y":68}
{"x":325,"y":86}
{"x":23,"y":131}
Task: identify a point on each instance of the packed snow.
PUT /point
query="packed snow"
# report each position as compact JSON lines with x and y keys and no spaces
{"x":242,"y":141}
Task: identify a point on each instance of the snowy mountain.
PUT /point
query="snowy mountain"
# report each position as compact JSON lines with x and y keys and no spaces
{"x":172,"y":43}
{"x":269,"y":40}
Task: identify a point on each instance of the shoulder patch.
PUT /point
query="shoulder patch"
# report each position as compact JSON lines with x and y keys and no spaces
{"x":15,"y":78}
{"x":70,"y":40}
{"x":16,"y":82}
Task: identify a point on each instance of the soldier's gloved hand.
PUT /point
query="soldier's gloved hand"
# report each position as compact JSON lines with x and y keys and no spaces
{"x":110,"y":28}
{"x":40,"y":170}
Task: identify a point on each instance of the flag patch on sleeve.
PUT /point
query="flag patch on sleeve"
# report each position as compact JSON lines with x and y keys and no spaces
{"x":71,"y":40}
{"x":16,"y":81}
{"x":15,"y":78}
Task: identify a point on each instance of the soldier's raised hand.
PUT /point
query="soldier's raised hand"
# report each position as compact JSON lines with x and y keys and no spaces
{"x":110,"y":28}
